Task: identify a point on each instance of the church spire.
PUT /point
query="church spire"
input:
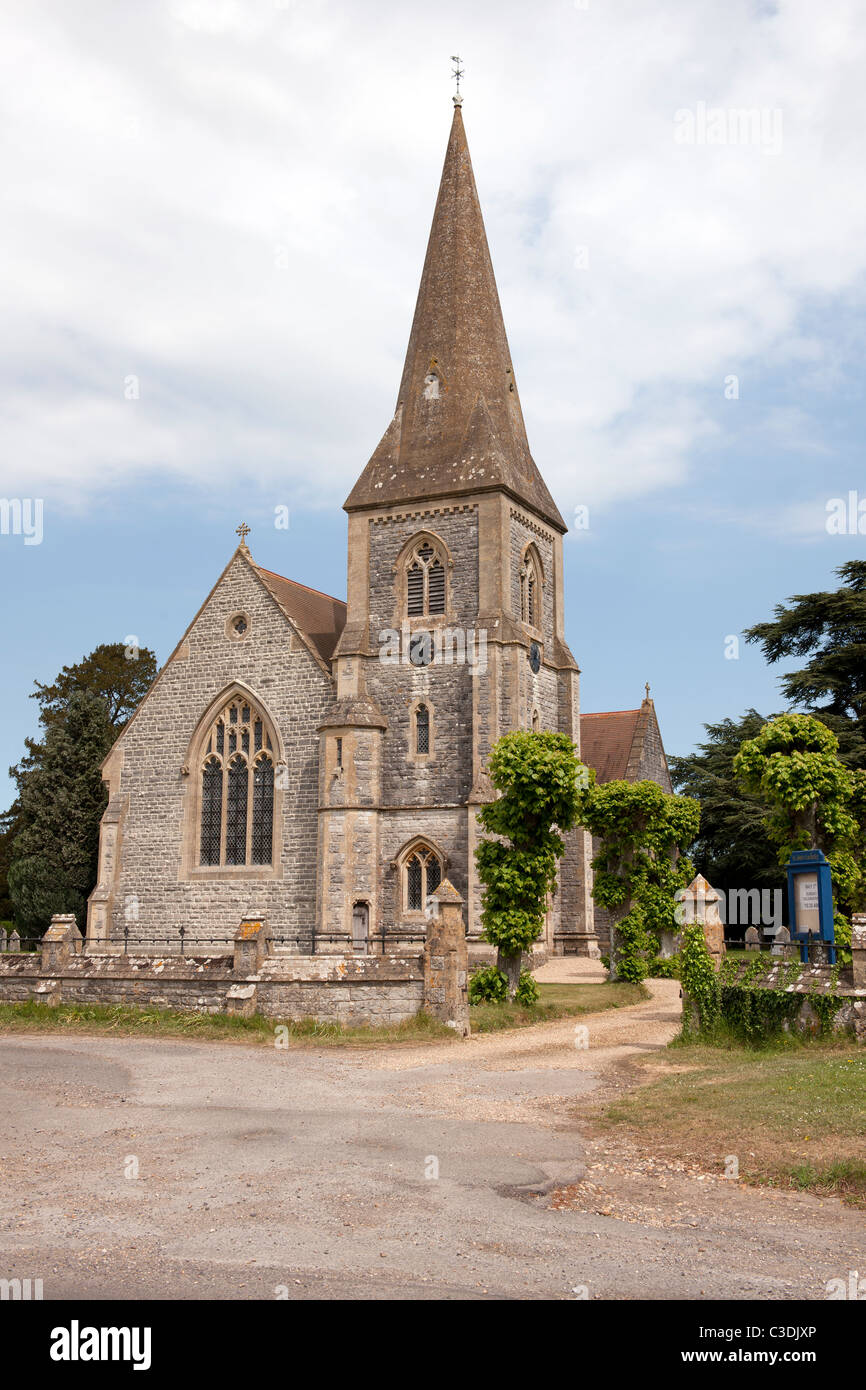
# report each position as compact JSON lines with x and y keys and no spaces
{"x":458,"y":427}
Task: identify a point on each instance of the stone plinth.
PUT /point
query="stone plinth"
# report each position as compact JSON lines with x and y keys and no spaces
{"x":701,"y":904}
{"x":252,"y":945}
{"x":446,"y":959}
{"x":61,"y":941}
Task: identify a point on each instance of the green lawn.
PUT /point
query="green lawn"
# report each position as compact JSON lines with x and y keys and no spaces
{"x":556,"y":1001}
{"x":793,"y":1116}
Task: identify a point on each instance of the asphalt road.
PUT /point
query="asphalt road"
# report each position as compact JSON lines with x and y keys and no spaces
{"x":364,"y":1175}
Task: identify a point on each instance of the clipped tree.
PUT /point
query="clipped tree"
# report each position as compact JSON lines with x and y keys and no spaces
{"x":61,"y":801}
{"x":641,"y":862}
{"x":814,"y":801}
{"x":539,"y":781}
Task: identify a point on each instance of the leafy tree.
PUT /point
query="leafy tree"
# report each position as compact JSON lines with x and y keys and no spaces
{"x":639,"y":866}
{"x":536,"y":775}
{"x":118,"y":675}
{"x":8,"y":827}
{"x":814,"y":801}
{"x":54,"y":853}
{"x":830,"y":629}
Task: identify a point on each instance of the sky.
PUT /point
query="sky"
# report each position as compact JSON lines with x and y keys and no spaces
{"x":214,"y":219}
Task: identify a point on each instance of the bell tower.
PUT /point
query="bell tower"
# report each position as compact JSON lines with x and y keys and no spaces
{"x":455,"y":630}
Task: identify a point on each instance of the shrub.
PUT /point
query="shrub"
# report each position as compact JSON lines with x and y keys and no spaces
{"x":488,"y":986}
{"x":527,"y":990}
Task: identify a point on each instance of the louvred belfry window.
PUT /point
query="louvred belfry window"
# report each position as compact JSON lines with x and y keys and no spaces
{"x":237,"y":789}
{"x":530,"y":589}
{"x":425,"y":581}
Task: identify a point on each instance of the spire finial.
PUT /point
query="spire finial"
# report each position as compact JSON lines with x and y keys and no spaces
{"x":647,"y":690}
{"x":243,"y":531}
{"x":457,"y":73}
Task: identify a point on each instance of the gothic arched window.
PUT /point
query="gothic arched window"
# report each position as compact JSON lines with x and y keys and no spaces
{"x":530,"y":588}
{"x":425,"y":579}
{"x":237,"y":788}
{"x":422,"y":876}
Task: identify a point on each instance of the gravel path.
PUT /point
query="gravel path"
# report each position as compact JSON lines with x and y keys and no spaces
{"x":444,"y":1171}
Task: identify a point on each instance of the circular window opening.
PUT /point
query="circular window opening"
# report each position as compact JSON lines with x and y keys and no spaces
{"x":238,"y":626}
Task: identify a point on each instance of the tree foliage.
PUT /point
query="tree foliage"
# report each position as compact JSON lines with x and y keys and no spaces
{"x":830,"y":629}
{"x":814,"y":801}
{"x":49,"y":838}
{"x":536,"y":775}
{"x":640,"y":864}
{"x":118,"y":675}
{"x":62,"y":799}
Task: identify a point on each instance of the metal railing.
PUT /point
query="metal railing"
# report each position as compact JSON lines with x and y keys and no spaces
{"x":308,"y":941}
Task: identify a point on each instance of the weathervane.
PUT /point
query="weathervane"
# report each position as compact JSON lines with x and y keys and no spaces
{"x":457,"y":73}
{"x":243,"y":531}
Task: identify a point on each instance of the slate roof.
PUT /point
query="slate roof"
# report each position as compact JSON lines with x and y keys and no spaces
{"x":465,"y":432}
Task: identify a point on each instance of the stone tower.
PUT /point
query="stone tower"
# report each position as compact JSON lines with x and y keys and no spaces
{"x":454,"y":632}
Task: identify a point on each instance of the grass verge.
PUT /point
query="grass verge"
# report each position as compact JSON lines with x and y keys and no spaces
{"x":556,"y":1001}
{"x":793,"y":1115}
{"x":125,"y":1021}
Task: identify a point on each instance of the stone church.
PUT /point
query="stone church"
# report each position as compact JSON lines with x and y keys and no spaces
{"x":319,"y":764}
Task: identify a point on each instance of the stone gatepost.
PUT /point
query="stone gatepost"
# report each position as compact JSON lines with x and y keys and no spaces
{"x":62,"y":940}
{"x":701,"y":903}
{"x":858,"y":949}
{"x":252,"y":945}
{"x":446,"y":959}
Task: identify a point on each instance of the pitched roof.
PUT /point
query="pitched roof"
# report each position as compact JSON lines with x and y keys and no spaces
{"x":458,"y":426}
{"x":320,"y":617}
{"x":606,"y":742}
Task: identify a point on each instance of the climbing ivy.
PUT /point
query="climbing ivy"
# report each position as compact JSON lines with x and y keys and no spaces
{"x":536,"y":775}
{"x":639,"y":866}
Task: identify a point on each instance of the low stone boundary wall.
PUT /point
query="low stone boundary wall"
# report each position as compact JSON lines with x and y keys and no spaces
{"x":362,"y":989}
{"x":351,"y":989}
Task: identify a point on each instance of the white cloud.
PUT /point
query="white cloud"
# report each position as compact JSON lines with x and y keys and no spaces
{"x":231,"y":201}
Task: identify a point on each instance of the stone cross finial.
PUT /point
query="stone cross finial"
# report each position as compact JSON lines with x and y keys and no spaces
{"x":647,"y":690}
{"x":243,"y":531}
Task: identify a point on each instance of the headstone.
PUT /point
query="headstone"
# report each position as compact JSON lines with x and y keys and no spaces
{"x":14,"y":942}
{"x":753,"y":939}
{"x":782,"y":942}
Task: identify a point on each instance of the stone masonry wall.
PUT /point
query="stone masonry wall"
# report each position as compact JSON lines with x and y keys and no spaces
{"x":296,"y":692}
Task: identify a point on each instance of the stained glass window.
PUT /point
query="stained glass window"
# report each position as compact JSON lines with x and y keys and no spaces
{"x":263,"y":811}
{"x":211,"y":811}
{"x":237,"y":790}
{"x":423,"y":876}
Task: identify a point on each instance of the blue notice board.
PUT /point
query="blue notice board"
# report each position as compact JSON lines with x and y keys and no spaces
{"x":810,"y":900}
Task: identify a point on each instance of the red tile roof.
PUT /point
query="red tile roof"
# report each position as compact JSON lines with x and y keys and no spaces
{"x":606,"y":742}
{"x":319,"y":616}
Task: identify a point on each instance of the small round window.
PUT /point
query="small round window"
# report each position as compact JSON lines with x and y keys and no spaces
{"x":238,"y":626}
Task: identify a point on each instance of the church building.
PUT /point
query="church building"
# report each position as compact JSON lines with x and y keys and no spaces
{"x":320,"y":764}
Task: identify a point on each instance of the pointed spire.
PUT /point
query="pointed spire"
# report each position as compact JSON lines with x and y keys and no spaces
{"x":458,"y":427}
